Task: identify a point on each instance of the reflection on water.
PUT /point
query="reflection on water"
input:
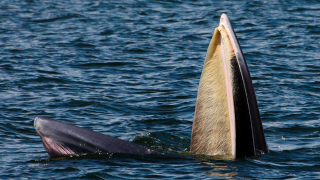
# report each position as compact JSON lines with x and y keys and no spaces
{"x":221,"y":170}
{"x":217,"y":166}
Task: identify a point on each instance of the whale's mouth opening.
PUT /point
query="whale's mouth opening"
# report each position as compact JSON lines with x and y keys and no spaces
{"x":227,"y":119}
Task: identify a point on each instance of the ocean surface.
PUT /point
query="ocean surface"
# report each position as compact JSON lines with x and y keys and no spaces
{"x":130,"y":69}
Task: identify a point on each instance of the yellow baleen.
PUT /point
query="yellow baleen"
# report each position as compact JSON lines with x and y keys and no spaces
{"x":212,"y":129}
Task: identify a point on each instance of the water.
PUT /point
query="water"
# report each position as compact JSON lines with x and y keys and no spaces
{"x":130,"y":69}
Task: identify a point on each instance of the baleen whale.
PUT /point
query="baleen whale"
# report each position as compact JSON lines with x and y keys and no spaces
{"x":226,"y":122}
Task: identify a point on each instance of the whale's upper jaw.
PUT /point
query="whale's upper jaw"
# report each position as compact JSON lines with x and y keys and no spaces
{"x":59,"y":138}
{"x":227,"y":119}
{"x":45,"y":129}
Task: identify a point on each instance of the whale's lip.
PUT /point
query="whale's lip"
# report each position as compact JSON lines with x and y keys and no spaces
{"x":42,"y":125}
{"x":37,"y":124}
{"x":225,"y":22}
{"x":260,"y":144}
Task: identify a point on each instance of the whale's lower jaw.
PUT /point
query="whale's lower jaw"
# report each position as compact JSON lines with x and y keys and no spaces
{"x":59,"y":138}
{"x":227,"y":119}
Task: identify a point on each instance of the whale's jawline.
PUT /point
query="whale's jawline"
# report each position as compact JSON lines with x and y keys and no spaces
{"x":64,"y":139}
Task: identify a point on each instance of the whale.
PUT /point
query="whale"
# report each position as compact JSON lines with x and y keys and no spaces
{"x":226,"y":121}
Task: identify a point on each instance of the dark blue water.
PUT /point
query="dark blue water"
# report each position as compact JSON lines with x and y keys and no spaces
{"x":130,"y":69}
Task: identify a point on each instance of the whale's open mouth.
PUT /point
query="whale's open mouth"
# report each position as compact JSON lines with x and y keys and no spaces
{"x":226,"y":122}
{"x":227,"y":119}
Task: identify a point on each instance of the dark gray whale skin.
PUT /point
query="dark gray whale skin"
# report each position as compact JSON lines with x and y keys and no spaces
{"x":60,"y":138}
{"x":250,"y":140}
